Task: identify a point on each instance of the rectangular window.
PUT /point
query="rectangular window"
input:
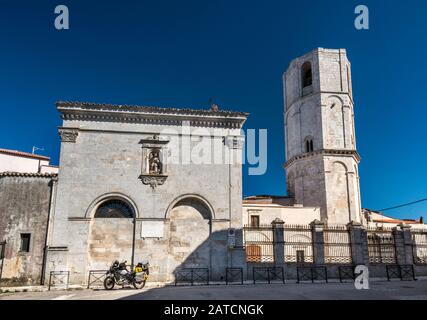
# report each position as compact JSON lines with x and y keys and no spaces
{"x":255,"y":221}
{"x":25,"y":242}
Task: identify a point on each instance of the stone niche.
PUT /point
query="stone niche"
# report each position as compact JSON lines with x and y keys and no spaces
{"x":154,"y":169}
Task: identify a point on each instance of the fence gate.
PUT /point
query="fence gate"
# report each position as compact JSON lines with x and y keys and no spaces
{"x":298,"y":244}
{"x":2,"y":252}
{"x":259,"y":243}
{"x":59,"y":279}
{"x":268,"y":274}
{"x":381,"y":246}
{"x":419,"y":240}
{"x":337,"y":245}
{"x":96,"y":278}
{"x":234,"y":275}
{"x":192,"y":276}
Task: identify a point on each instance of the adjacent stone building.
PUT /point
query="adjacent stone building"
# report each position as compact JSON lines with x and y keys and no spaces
{"x":26,"y":184}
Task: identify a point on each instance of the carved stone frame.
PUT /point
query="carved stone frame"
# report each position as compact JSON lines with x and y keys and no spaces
{"x":150,"y":144}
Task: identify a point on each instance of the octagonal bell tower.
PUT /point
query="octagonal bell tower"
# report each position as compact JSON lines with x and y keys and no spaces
{"x":321,"y":157}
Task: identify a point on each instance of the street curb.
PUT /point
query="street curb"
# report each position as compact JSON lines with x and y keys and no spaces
{"x":153,"y":285}
{"x":38,"y":289}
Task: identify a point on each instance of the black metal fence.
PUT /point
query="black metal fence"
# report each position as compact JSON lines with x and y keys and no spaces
{"x":96,"y":277}
{"x":346,"y":273}
{"x":298,"y":244}
{"x":402,"y":272}
{"x":192,"y":276}
{"x":59,"y":278}
{"x":337,"y":245}
{"x":259,"y":243}
{"x":381,"y":246}
{"x":419,"y":240}
{"x":312,"y":273}
{"x":234,"y":275}
{"x":268,"y":274}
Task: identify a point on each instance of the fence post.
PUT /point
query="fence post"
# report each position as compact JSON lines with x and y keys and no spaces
{"x":278,"y":242}
{"x":408,"y":253}
{"x":359,"y":243}
{"x":399,"y":245}
{"x":318,"y":241}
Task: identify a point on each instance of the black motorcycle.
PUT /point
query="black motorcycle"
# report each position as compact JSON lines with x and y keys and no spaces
{"x":118,"y":274}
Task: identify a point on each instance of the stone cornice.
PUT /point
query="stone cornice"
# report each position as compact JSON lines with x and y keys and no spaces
{"x":150,"y":115}
{"x":326,"y":152}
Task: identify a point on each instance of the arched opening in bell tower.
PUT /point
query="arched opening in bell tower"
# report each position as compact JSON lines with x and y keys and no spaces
{"x":306,"y":74}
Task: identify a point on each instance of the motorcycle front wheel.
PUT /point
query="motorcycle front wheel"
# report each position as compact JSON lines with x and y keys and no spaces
{"x":109,"y":283}
{"x":139,"y":284}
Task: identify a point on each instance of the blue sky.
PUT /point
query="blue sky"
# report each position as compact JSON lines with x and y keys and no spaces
{"x":181,"y":53}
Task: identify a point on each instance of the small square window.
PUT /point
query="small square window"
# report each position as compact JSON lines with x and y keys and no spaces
{"x":25,"y":242}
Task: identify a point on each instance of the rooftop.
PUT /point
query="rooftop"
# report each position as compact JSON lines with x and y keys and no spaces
{"x":23,"y":154}
{"x":147,"y":109}
{"x":213,"y":117}
{"x":379,"y":217}
{"x":269,"y":199}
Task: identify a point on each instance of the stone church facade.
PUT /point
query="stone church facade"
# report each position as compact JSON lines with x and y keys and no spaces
{"x":126,"y":190}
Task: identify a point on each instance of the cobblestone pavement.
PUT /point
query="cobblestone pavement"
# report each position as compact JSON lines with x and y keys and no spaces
{"x":290,"y":291}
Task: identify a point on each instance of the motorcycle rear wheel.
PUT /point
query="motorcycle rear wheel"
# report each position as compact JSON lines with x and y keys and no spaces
{"x":139,"y":285}
{"x":109,"y":283}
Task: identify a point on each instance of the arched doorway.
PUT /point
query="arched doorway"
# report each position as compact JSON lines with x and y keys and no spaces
{"x":111,"y":233}
{"x":190,"y":223}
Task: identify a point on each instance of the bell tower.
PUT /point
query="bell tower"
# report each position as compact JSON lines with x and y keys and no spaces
{"x":321,"y":158}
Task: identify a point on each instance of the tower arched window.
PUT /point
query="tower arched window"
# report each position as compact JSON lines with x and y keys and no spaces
{"x":306,"y":74}
{"x":308,"y":145}
{"x":114,"y":208}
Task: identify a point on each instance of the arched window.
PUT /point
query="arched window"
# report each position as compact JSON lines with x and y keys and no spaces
{"x":114,"y":209}
{"x":306,"y":75}
{"x":308,"y":145}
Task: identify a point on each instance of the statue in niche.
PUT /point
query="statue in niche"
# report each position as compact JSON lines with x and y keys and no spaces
{"x":155,"y":165}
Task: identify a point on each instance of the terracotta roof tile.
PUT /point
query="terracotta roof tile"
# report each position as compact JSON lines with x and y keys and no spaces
{"x":28,"y":174}
{"x":23,"y":154}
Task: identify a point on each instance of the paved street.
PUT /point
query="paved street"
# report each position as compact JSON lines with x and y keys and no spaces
{"x":290,"y":291}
